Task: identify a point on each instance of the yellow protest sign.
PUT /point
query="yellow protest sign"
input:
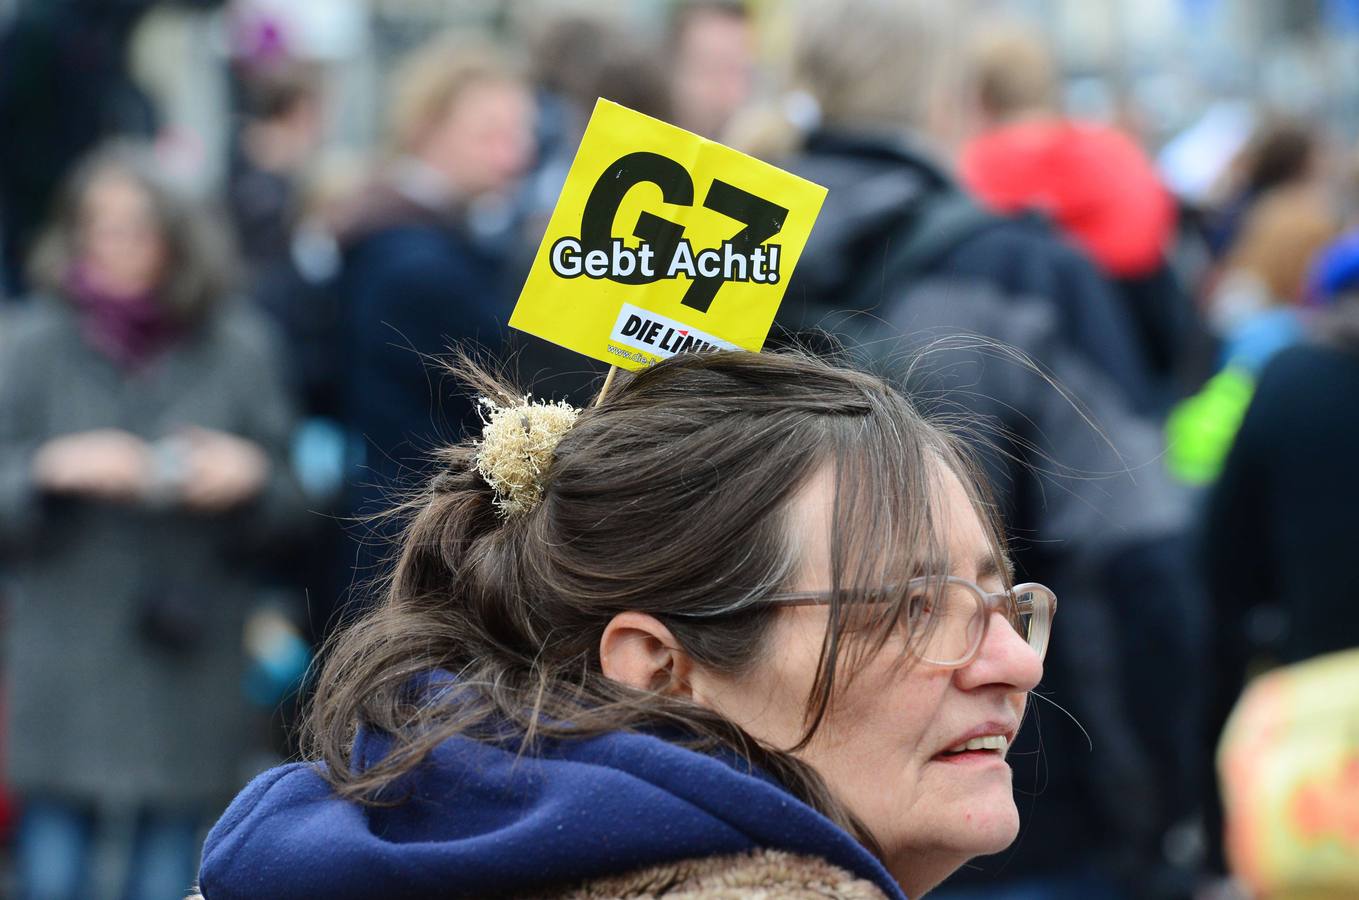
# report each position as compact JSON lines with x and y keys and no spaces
{"x":663,"y":242}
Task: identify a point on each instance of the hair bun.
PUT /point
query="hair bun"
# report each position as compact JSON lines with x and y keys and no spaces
{"x":516,"y":446}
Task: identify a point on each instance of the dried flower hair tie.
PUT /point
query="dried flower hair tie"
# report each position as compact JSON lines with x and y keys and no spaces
{"x":517,"y":444}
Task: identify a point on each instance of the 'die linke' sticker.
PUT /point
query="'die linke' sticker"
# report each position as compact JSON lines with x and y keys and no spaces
{"x":663,"y":242}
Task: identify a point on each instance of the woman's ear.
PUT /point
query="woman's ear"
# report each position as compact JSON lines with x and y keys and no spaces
{"x":637,"y":650}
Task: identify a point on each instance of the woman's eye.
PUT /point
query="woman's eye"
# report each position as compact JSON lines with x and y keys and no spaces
{"x":919,"y":605}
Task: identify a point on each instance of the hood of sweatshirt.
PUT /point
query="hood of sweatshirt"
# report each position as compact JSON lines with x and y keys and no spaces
{"x":481,"y":821}
{"x":1094,"y":181}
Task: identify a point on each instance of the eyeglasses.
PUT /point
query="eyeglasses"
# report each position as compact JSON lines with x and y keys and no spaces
{"x":949,"y":616}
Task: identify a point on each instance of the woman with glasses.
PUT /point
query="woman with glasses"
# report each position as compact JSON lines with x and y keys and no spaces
{"x":743,"y":628}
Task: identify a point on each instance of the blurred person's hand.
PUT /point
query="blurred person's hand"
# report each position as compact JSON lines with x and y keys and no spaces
{"x":103,"y":464}
{"x":223,"y":471}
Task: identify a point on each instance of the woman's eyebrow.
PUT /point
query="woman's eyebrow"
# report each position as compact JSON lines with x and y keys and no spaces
{"x":992,"y":565}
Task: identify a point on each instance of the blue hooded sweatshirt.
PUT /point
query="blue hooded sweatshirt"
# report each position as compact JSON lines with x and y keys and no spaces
{"x":482,"y":822}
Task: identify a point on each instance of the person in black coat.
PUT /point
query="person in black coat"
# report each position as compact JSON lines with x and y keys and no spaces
{"x":425,"y":260}
{"x":893,"y":210}
{"x":899,"y":243}
{"x":1282,"y":514}
{"x":1280,"y":519}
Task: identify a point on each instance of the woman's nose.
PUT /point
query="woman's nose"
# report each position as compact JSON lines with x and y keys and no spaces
{"x":1004,"y":658}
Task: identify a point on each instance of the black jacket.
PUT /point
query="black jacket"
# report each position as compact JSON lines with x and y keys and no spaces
{"x":1282,"y":516}
{"x":901,"y":261}
{"x":883,"y":195}
{"x":1279,"y":521}
{"x":415,"y":283}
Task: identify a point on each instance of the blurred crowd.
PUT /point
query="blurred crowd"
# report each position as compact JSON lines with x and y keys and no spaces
{"x":210,"y":393}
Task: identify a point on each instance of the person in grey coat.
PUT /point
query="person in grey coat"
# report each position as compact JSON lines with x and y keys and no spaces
{"x":143,"y":423}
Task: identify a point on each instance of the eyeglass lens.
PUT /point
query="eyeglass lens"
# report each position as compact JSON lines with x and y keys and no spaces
{"x":951,"y":618}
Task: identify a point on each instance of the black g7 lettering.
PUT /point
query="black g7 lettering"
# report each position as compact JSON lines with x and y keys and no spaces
{"x":762,"y":218}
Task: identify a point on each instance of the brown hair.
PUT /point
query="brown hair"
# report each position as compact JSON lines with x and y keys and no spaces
{"x":1281,"y":236}
{"x":1281,"y":151}
{"x":584,"y":56}
{"x":669,"y":498}
{"x":276,"y":91}
{"x":198,"y":253}
{"x":686,"y":12}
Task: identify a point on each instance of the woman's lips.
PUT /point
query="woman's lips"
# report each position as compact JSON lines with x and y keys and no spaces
{"x":970,"y":757}
{"x":989,"y":740}
{"x":998,"y":742}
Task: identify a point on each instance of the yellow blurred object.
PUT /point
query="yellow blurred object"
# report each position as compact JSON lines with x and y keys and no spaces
{"x":1289,"y":768}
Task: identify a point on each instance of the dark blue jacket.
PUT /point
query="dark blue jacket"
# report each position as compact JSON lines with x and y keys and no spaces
{"x":415,"y":282}
{"x":409,"y":292}
{"x":482,"y":822}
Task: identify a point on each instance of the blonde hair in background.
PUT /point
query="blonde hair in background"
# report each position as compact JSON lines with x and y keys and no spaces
{"x":860,"y":65}
{"x":427,"y":83}
{"x":1010,"y":71}
{"x":878,"y":63}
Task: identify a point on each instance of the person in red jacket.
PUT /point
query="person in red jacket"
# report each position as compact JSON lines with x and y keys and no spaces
{"x":1092,"y":180}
